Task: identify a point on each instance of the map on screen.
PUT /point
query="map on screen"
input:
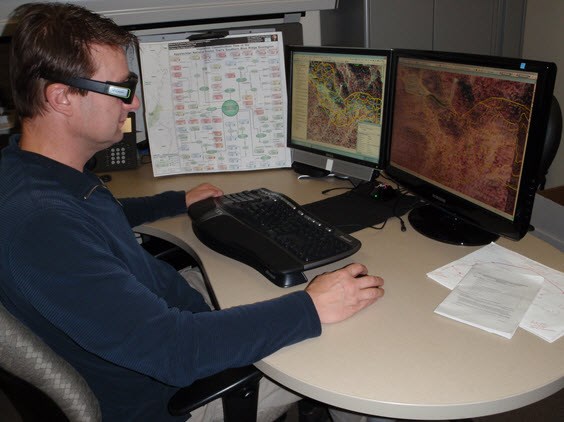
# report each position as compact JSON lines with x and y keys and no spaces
{"x":342,"y":96}
{"x":338,"y":101}
{"x":463,"y":130}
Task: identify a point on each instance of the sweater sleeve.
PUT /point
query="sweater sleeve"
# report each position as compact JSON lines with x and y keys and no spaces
{"x":151,"y":208}
{"x":87,"y":292}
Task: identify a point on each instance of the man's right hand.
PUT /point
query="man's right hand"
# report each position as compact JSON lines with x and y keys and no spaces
{"x":340,"y":294}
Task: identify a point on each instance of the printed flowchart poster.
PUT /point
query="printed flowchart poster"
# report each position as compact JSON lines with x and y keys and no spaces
{"x":215,"y":105}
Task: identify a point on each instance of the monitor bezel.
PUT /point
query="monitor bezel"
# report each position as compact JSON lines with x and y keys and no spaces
{"x":462,"y":208}
{"x":375,"y":166}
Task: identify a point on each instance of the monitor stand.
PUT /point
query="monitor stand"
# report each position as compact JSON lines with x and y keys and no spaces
{"x":440,"y":225}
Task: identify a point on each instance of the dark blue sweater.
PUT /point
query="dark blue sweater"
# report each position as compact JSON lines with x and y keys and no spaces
{"x":72,"y":270}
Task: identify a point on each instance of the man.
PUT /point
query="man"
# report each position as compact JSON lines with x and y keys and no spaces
{"x":70,"y":266}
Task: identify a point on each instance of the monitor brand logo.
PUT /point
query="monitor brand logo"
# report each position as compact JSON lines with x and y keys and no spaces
{"x":438,"y":198}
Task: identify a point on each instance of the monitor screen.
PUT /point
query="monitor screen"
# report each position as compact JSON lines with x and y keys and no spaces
{"x":467,"y":134}
{"x":337,"y":102}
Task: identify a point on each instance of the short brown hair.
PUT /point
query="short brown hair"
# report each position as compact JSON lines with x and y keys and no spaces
{"x":55,"y":39}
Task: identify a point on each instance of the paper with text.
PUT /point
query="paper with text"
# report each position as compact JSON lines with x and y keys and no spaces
{"x":493,"y":297}
{"x":545,"y":316}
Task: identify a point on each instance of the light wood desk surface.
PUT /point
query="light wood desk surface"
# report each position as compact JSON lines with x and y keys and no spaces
{"x":397,"y":358}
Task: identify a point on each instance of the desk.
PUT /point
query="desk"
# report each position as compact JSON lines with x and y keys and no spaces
{"x":396,"y":358}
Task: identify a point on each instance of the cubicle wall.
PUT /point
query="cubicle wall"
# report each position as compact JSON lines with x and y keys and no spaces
{"x":135,"y":12}
{"x":144,"y":17}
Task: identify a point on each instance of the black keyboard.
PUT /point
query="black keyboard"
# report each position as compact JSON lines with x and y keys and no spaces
{"x":269,"y":232}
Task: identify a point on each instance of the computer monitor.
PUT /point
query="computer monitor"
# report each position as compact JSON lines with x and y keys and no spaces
{"x":337,"y":99}
{"x":467,"y":134}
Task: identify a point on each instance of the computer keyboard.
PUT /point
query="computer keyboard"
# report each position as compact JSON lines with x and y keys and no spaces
{"x":269,"y":232}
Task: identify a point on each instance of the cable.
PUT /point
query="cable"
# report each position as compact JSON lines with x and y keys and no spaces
{"x":326,"y":191}
{"x":380,"y":227}
{"x":402,"y":224}
{"x":402,"y":192}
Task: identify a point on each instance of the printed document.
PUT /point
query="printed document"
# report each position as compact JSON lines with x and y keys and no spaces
{"x":493,"y":297}
{"x":545,"y":316}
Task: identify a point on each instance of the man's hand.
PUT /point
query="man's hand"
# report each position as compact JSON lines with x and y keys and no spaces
{"x":342,"y":293}
{"x":203,"y":191}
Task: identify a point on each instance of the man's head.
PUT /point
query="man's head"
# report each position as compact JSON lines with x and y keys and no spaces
{"x":54,"y":42}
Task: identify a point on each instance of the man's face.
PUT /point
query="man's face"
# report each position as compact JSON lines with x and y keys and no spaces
{"x":103,"y":116}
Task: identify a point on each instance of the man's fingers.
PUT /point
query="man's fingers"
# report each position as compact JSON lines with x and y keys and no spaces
{"x":368,"y":281}
{"x":356,"y":269}
{"x":370,"y":294}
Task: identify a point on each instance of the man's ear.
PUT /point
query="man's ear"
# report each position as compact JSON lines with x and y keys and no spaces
{"x":59,"y":99}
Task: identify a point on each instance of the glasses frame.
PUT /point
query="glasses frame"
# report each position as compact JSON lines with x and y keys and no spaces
{"x":125,"y":90}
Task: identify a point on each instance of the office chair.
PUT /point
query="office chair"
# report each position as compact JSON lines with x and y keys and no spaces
{"x":551,"y":140}
{"x":42,"y":386}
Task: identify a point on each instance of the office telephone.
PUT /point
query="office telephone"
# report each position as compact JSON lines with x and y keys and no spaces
{"x":120,"y":156}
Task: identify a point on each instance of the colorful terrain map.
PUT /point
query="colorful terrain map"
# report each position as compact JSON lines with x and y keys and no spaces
{"x":340,"y":96}
{"x":468,"y":133}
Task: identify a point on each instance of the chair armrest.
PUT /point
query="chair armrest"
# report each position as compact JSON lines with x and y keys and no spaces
{"x":242,"y":382}
{"x":167,"y":251}
{"x":237,"y":387}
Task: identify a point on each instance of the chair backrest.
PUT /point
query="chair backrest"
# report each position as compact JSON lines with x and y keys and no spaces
{"x":33,"y":376}
{"x":551,"y":140}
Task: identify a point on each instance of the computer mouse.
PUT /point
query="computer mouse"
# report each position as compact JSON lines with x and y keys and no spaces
{"x":383,"y":192}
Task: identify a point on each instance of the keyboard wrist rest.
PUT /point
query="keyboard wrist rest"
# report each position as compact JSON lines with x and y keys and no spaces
{"x":265,"y":256}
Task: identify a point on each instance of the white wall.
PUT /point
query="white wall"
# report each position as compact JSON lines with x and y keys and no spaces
{"x":544,"y":40}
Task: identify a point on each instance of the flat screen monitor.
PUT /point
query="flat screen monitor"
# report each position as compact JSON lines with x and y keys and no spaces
{"x":337,"y":101}
{"x":466,"y":135}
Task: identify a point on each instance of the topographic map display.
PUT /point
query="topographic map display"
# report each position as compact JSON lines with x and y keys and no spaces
{"x":465,"y":132}
{"x":217,"y":105}
{"x":340,"y":97}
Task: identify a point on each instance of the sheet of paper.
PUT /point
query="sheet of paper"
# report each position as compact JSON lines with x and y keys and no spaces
{"x":545,"y":316}
{"x":216,"y":105}
{"x":493,"y":297}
